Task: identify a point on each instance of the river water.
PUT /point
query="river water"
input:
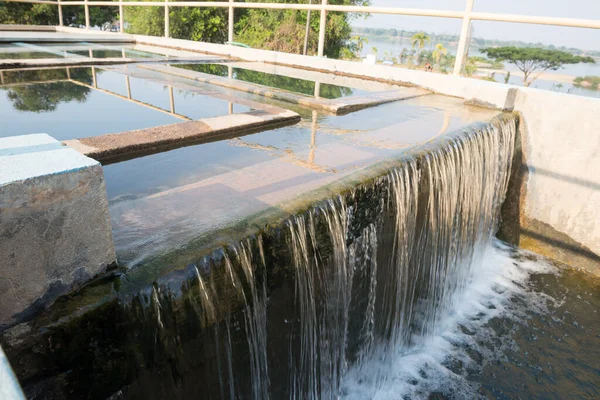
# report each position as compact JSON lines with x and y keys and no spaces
{"x":394,"y":48}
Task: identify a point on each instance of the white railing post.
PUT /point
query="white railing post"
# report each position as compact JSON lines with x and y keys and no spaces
{"x":121,"y":17}
{"x":166,"y":19}
{"x":87,"y":15}
{"x":230,"y":25}
{"x":307,"y":30}
{"x":322,"y":28}
{"x":60,"y":14}
{"x":464,"y":38}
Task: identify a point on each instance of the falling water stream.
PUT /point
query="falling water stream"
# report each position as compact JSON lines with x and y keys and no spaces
{"x":372,"y":283}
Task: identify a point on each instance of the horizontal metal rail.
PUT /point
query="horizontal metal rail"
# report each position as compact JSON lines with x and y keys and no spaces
{"x":466,"y":16}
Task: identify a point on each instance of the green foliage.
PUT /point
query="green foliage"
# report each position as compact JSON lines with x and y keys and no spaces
{"x":284,"y":30}
{"x":145,"y":20}
{"x":439,"y":52}
{"x":419,"y":40}
{"x":347,"y":53}
{"x":530,"y":60}
{"x":46,"y":14}
{"x":279,"y":30}
{"x":191,"y":23}
{"x":470,"y":68}
{"x":589,"y":81}
{"x":358,"y":44}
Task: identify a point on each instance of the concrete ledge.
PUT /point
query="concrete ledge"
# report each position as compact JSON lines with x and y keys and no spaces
{"x":36,"y":28}
{"x":127,"y":145}
{"x":334,"y":106}
{"x":55,"y":230}
{"x":60,"y":34}
{"x":85,"y":61}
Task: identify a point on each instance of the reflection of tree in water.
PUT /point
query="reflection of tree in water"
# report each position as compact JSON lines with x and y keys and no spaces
{"x":40,"y":97}
{"x":212,"y":69}
{"x":276,"y":81}
{"x":291,"y":84}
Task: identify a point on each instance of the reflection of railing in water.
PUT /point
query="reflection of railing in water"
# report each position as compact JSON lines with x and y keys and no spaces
{"x":466,"y":16}
{"x":129,"y":98}
{"x":309,"y":163}
{"x":94,"y":86}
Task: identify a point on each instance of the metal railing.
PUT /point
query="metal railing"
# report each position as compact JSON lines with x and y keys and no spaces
{"x":467,"y":16}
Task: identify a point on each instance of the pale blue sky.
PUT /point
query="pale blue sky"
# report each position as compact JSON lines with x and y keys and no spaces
{"x":559,"y":36}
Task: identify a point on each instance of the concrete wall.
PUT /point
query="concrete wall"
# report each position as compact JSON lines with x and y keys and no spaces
{"x":559,"y":197}
{"x":55,"y":230}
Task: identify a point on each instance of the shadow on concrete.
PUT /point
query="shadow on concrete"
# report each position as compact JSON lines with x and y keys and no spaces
{"x":566,"y":178}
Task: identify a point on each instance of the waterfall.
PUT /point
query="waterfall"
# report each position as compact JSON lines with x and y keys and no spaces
{"x":339,"y":291}
{"x":374,"y":270}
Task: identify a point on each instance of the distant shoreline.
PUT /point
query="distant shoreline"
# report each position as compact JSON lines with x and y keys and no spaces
{"x":388,"y":34}
{"x":547,"y":76}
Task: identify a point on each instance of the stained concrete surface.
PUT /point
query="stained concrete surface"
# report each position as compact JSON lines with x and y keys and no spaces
{"x":55,"y":228}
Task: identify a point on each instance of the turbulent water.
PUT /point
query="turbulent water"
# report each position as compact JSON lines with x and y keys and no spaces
{"x":391,"y":275}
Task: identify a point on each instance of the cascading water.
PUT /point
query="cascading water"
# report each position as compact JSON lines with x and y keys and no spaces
{"x":339,"y":292}
{"x":375,"y":269}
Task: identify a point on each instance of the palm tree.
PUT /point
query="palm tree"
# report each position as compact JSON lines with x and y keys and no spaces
{"x":419,"y":40}
{"x":374,"y":50}
{"x":438,"y":52}
{"x":403,"y":55}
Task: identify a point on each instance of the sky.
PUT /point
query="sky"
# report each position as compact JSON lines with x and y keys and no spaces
{"x":586,"y":39}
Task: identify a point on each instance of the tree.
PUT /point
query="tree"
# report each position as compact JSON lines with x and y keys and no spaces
{"x":284,"y":30}
{"x":191,"y":23}
{"x":531,"y":60}
{"x":419,"y":40}
{"x":374,"y":50}
{"x":46,"y":14}
{"x":360,"y":44}
{"x":438,"y":52}
{"x":403,"y":55}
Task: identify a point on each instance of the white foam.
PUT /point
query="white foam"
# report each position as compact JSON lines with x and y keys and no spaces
{"x":496,"y":288}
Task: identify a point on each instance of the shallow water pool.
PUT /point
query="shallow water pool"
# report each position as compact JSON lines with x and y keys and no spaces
{"x":83,"y":102}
